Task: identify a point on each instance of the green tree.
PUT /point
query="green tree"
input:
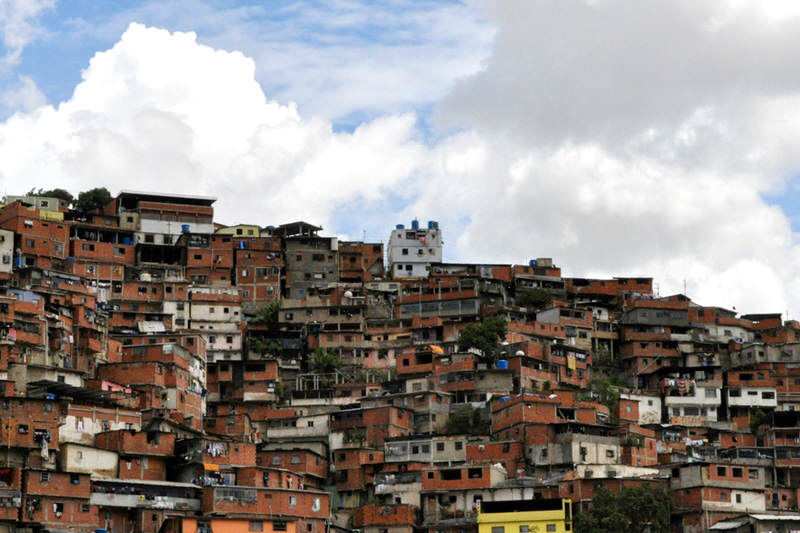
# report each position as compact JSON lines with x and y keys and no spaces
{"x":535,"y":297}
{"x":61,"y":194}
{"x":466,"y":421}
{"x":485,"y":337}
{"x":92,"y":199}
{"x":633,"y":510}
{"x":757,"y":419}
{"x":607,"y":393}
{"x":267,"y":314}
{"x":323,"y":361}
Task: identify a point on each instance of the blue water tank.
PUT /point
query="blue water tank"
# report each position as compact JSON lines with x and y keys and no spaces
{"x":504,"y":398}
{"x":415,"y":224}
{"x":532,"y":262}
{"x":400,"y":226}
{"x":19,"y":262}
{"x":502,"y":364}
{"x":126,"y":240}
{"x":185,"y":228}
{"x":432,"y":224}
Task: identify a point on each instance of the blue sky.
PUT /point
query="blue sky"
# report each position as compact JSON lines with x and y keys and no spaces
{"x":349,"y":60}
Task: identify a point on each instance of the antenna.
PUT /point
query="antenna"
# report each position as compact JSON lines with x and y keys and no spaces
{"x":684,"y":287}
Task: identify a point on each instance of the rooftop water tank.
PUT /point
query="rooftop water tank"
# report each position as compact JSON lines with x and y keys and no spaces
{"x":415,"y":224}
{"x":432,"y":224}
{"x":532,"y":262}
{"x":502,"y":364}
{"x":519,"y":353}
{"x":185,"y":228}
{"x":400,"y":226}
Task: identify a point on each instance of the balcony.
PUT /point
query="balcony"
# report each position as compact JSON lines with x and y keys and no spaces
{"x":141,"y":494}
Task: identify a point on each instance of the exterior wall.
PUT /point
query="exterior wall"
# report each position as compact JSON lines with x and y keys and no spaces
{"x":411,"y":251}
{"x":82,"y":423}
{"x":6,"y":251}
{"x":86,"y":460}
{"x":233,"y":525}
{"x":649,"y":408}
{"x":752,"y":397}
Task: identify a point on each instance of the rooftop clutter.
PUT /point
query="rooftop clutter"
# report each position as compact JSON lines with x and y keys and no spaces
{"x":160,"y":372}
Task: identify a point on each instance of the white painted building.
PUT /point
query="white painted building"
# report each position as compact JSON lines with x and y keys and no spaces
{"x":703,"y":402}
{"x":752,"y":397}
{"x":649,"y":407}
{"x":412,"y":250}
{"x":6,"y":251}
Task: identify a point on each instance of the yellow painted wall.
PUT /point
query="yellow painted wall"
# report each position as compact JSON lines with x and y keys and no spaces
{"x":537,"y":521}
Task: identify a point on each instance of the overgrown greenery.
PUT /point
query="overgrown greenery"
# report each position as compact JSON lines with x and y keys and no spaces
{"x":607,"y":392}
{"x":268,"y":314}
{"x":323,"y":361}
{"x":757,"y":419}
{"x":535,"y":297}
{"x":466,"y":421}
{"x":484,"y":337}
{"x":641,"y":509}
{"x":92,"y":199}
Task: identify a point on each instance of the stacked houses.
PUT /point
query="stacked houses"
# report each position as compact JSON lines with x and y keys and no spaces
{"x":163,"y":373}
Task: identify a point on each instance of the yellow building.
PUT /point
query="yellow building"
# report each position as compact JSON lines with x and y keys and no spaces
{"x":525,"y":516}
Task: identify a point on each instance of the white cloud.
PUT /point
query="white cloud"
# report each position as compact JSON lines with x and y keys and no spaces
{"x":343,"y":60}
{"x":625,"y":139}
{"x":18,"y":24}
{"x":159,"y":111}
{"x":25,"y":96}
{"x":671,"y":189}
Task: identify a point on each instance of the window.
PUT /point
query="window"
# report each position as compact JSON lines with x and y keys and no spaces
{"x":276,"y":460}
{"x":255,"y":525}
{"x":524,"y":529}
{"x":752,"y":473}
{"x":292,"y":501}
{"x":738,"y":498}
{"x":44,"y":477}
{"x":722,"y":471}
{"x":768,"y":395}
{"x":498,"y":529}
{"x":737,"y":472}
{"x":551,"y":527}
{"x":459,"y":445}
{"x":711,"y":393}
{"x":440,"y":446}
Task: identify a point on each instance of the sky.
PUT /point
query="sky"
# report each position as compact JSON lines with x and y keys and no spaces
{"x":619,"y":138}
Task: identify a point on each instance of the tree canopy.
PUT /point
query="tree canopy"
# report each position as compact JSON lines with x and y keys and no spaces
{"x":484,"y":337}
{"x":324,"y":362}
{"x":466,"y":421}
{"x":92,"y":199}
{"x":61,"y":194}
{"x":267,"y":314}
{"x":633,"y":510}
